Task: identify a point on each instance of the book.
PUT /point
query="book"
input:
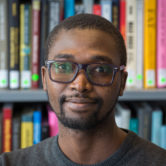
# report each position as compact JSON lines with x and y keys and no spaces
{"x":97,"y":9}
{"x":53,"y":122}
{"x":115,"y":13}
{"x":0,"y":130}
{"x":25,"y":46}
{"x":131,"y":43}
{"x":35,"y":43}
{"x":161,"y":43}
{"x":53,"y":14}
{"x":45,"y":130}
{"x":37,"y":118}
{"x":16,"y":130}
{"x":7,"y":127}
{"x":139,"y":44}
{"x":122,"y":22}
{"x":163,"y":137}
{"x":156,"y":126}
{"x":149,"y":43}
{"x":88,"y":6}
{"x":106,"y":9}
{"x":3,"y":44}
{"x":26,"y":128}
{"x":13,"y":52}
{"x":79,"y":7}
{"x":69,"y":8}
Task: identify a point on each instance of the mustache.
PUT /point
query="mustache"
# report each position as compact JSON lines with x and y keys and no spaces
{"x":63,"y":98}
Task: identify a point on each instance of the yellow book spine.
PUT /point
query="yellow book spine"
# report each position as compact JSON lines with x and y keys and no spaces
{"x":26,"y":134}
{"x":149,"y":43}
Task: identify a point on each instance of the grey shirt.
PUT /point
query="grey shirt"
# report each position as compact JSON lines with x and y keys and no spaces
{"x":133,"y":152}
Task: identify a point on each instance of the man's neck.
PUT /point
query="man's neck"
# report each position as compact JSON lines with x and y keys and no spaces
{"x":92,"y":146}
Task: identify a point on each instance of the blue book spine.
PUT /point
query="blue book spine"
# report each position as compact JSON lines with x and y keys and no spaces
{"x":163,"y":136}
{"x":106,"y":9}
{"x":134,"y":125}
{"x":37,"y":127}
{"x":69,"y":8}
{"x":156,"y":126}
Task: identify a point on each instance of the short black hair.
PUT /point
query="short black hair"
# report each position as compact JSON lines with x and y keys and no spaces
{"x":88,"y":21}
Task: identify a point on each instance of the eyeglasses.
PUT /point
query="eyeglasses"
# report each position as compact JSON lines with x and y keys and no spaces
{"x":97,"y":73}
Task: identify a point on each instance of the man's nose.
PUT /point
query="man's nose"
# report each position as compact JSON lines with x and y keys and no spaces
{"x":81,"y":83}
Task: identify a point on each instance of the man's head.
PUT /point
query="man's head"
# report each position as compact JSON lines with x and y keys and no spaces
{"x":84,"y":39}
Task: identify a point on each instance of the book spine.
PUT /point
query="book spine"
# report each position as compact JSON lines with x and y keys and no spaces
{"x":3,"y":45}
{"x":69,"y":8}
{"x":134,"y":125}
{"x":139,"y":33}
{"x":131,"y":43}
{"x":79,"y":8}
{"x":7,"y":128}
{"x":35,"y":43}
{"x":26,"y":129}
{"x":88,"y":6}
{"x":106,"y":9}
{"x":163,"y":136}
{"x":16,"y":128}
{"x":53,"y":14}
{"x":1,"y":134}
{"x":115,"y":13}
{"x":36,"y":127}
{"x":149,"y":43}
{"x":13,"y":44}
{"x":53,"y":123}
{"x":97,"y":9}
{"x":25,"y":46}
{"x":161,"y":44}
{"x":156,"y":126}
{"x":123,"y":18}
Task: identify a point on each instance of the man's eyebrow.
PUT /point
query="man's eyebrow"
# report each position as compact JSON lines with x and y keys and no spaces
{"x":101,"y":58}
{"x":65,"y":56}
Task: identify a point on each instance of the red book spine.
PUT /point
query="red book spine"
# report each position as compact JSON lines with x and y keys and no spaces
{"x":97,"y":9}
{"x":7,"y":129}
{"x":35,"y":43}
{"x":123,"y":18}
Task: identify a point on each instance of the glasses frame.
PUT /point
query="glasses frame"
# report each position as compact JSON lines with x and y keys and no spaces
{"x":83,"y":67}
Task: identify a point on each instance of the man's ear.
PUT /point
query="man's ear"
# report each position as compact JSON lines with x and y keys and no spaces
{"x":43,"y":74}
{"x":123,"y":82}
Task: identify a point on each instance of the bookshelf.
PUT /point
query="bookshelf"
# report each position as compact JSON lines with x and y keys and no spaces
{"x":40,"y":95}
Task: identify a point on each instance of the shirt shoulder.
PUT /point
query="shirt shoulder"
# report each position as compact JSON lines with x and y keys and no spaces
{"x":31,"y":156}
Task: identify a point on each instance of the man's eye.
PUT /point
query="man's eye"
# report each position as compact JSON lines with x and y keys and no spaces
{"x":101,"y":69}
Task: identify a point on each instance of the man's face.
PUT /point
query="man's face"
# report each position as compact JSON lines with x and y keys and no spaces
{"x":80,"y":104}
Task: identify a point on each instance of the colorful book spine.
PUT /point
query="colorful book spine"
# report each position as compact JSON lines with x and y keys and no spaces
{"x":53,"y":14}
{"x":37,"y":117}
{"x":26,"y":129}
{"x":97,"y":9}
{"x":161,"y":44}
{"x":139,"y":44}
{"x":134,"y":125}
{"x":115,"y":13}
{"x":0,"y":131}
{"x":53,"y":123}
{"x":35,"y":43}
{"x":69,"y":8}
{"x":88,"y":6}
{"x":131,"y":42}
{"x":25,"y":46}
{"x":156,"y":126}
{"x":3,"y":44}
{"x":106,"y":9}
{"x":123,"y":18}
{"x":13,"y":44}
{"x":163,"y":137}
{"x":149,"y":43}
{"x":7,"y":128}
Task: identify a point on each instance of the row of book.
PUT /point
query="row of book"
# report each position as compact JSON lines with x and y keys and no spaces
{"x":148,"y":120}
{"x":24,"y":27}
{"x":26,"y":126}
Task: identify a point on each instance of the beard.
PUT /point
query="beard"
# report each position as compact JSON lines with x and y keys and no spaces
{"x":83,"y":124}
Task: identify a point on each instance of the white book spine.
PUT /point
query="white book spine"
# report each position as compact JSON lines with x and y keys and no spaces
{"x":88,"y":6}
{"x":139,"y":79}
{"x":106,"y":9}
{"x":131,"y":42}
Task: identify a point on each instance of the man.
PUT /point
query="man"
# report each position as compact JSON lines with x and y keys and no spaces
{"x":84,"y":74}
